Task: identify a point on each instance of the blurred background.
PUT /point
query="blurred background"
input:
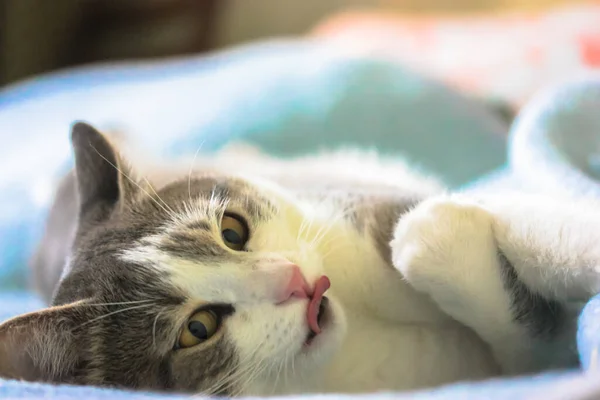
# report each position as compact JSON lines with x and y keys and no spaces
{"x":38,"y":36}
{"x":436,"y":82}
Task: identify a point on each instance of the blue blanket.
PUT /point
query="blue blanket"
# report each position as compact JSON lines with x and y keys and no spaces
{"x":292,"y":97}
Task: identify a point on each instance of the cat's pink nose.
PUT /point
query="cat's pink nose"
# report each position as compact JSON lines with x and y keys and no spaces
{"x":297,"y":286}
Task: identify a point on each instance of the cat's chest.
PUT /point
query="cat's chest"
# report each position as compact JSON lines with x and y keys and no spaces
{"x":397,"y":338}
{"x":379,"y":355}
{"x":363,"y":281}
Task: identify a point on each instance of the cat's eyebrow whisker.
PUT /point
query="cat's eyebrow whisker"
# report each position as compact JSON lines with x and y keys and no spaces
{"x":112,"y":313}
{"x":335,"y":248}
{"x":324,"y":243}
{"x":212,"y":195}
{"x":303,"y":226}
{"x":219,"y":206}
{"x":131,"y":180}
{"x":118,"y":303}
{"x":317,"y":241}
{"x":325,"y":229}
{"x":216,"y":205}
{"x":307,"y":227}
{"x":191,"y":169}
{"x":171,"y":211}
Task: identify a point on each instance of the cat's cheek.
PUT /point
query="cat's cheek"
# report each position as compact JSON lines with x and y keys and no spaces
{"x":314,"y":361}
{"x":268,"y":332}
{"x":276,"y":335}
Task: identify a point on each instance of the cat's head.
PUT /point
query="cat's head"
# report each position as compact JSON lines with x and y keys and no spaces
{"x":210,"y":284}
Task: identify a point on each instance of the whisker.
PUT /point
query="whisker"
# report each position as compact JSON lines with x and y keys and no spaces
{"x":118,"y":303}
{"x":284,"y":369}
{"x":191,"y":169}
{"x":245,"y":372}
{"x":322,"y":232}
{"x":172,"y":212}
{"x":293,"y":366}
{"x":325,"y":229}
{"x":289,"y":358}
{"x":308,"y":227}
{"x":277,"y":375}
{"x":303,"y":226}
{"x":131,"y":180}
{"x":113,"y":313}
{"x":231,"y":378}
{"x":258,"y":370}
{"x":240,"y":377}
{"x":312,"y":220}
{"x":326,"y":241}
{"x":154,"y":328}
{"x":335,"y":248}
{"x":226,"y":379}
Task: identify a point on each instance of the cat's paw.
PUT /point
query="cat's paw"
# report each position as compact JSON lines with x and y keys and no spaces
{"x":446,"y":244}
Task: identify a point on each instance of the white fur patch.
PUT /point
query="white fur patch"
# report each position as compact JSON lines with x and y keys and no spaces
{"x":379,"y":319}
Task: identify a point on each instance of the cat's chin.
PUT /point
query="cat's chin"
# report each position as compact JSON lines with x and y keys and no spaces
{"x":318,"y":348}
{"x":312,"y":360}
{"x":315,"y":356}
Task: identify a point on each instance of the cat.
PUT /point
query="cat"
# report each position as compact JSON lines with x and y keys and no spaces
{"x":242,"y":274}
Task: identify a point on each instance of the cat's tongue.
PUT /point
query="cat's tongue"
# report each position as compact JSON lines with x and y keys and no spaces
{"x":313,"y":306}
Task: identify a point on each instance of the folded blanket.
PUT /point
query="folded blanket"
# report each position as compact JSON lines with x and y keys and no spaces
{"x":554,"y":144}
{"x":328,"y":98}
{"x":506,"y":55}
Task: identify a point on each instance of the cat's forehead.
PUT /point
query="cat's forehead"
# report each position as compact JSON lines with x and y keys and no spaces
{"x":188,"y":200}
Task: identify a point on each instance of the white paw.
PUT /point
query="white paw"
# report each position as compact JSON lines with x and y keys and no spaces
{"x":446,"y":248}
{"x":446,"y":244}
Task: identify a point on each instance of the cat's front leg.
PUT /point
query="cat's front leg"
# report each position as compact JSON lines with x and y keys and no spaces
{"x":493,"y":266}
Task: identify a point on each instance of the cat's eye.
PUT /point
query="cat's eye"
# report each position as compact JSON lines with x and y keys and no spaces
{"x":200,"y":327}
{"x":234,"y":232}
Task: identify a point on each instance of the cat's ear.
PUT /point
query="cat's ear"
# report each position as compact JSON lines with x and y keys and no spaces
{"x":40,"y":346}
{"x":103,"y":179}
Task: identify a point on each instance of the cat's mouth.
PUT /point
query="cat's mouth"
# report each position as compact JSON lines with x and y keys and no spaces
{"x":321,"y":315}
{"x":317,"y":308}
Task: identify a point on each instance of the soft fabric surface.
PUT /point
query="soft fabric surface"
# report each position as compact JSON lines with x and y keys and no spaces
{"x":328,"y":98}
{"x":504,"y":55}
{"x":554,"y":144}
